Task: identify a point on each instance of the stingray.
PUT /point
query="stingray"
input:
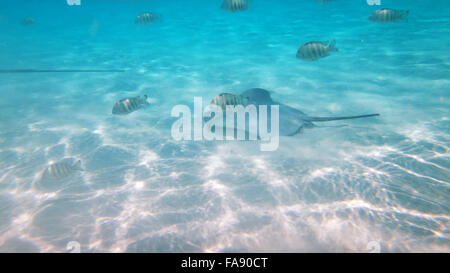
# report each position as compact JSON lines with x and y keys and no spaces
{"x":291,"y":120}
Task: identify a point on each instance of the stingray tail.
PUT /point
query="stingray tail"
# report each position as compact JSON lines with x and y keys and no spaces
{"x":319,"y":119}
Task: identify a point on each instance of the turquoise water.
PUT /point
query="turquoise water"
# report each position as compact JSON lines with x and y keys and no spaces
{"x":327,"y":189}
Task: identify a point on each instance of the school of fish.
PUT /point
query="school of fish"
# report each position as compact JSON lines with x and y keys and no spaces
{"x":309,"y":51}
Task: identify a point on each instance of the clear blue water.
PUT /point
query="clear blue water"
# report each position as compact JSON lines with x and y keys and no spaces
{"x":328,"y":189}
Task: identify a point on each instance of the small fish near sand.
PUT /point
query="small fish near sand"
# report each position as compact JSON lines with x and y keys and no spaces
{"x":129,"y":105}
{"x":313,"y":51}
{"x":28,"y":21}
{"x":224,"y":99}
{"x":63,"y":169}
{"x":382,"y":16}
{"x":235,"y":5}
{"x":147,"y":18}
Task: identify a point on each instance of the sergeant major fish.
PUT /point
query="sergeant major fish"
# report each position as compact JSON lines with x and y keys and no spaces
{"x":63,"y":169}
{"x":224,"y":99}
{"x":235,"y":5}
{"x":316,"y":50}
{"x":388,"y":15}
{"x":146,"y":18}
{"x":128,"y":105}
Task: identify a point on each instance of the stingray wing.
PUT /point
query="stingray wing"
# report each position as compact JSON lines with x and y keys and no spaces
{"x":291,"y":120}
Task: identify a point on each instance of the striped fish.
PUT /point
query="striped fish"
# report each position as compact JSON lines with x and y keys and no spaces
{"x":128,"y":105}
{"x":235,"y":5}
{"x":388,"y":15}
{"x":146,"y":18}
{"x":224,"y":99}
{"x":315,"y":50}
{"x":63,"y":169}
